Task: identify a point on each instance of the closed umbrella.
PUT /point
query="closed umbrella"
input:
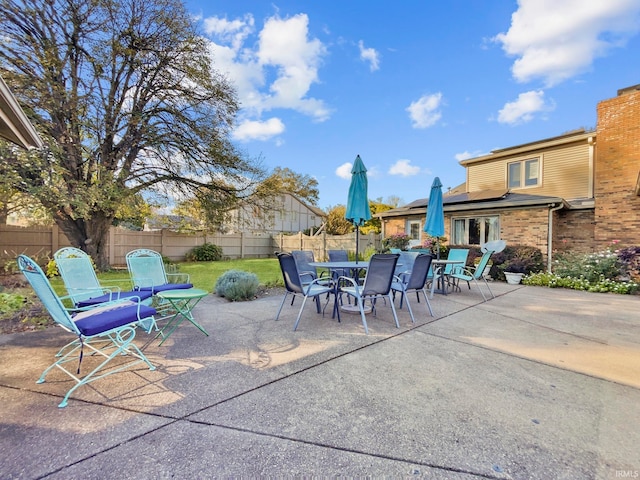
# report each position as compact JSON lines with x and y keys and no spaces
{"x":434,"y":225}
{"x":358,"y":211}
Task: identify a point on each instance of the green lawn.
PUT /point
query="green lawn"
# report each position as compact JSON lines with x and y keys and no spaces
{"x":202,"y":274}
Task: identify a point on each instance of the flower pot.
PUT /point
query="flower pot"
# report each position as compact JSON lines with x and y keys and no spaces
{"x":513,"y":278}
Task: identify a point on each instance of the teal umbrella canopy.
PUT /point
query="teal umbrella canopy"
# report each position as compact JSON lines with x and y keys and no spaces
{"x":434,"y":225}
{"x":358,"y":211}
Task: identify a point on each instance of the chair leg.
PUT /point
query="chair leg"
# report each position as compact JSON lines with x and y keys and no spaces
{"x":393,"y":309}
{"x":282,"y":304}
{"x":426,"y":298}
{"x":122,"y":343}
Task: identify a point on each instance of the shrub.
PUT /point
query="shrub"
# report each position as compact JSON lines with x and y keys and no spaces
{"x":11,"y":302}
{"x":236,"y":285}
{"x":552,"y":280}
{"x":207,"y":252}
{"x":399,"y":240}
{"x":518,"y":259}
{"x":590,"y":266}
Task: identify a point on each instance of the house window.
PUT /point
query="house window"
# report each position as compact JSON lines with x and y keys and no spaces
{"x":475,"y":230}
{"x":414,"y":229}
{"x":525,"y":173}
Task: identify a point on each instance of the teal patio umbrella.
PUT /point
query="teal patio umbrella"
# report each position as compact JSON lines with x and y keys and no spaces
{"x":358,"y":211}
{"x":434,"y":225}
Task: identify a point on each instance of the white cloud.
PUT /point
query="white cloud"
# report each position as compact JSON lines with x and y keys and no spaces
{"x":467,"y":155}
{"x":522,"y":110}
{"x":274,"y":70}
{"x":556,"y":40}
{"x":370,"y":55}
{"x":258,"y":130}
{"x":344,"y":170}
{"x":404,"y":168}
{"x":425,"y":112}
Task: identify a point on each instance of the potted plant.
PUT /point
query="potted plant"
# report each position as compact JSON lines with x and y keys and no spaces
{"x":514,"y":270}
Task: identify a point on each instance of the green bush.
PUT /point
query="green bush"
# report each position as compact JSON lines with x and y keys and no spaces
{"x":236,"y":285}
{"x":517,"y":258}
{"x":399,"y":240}
{"x":207,"y":252}
{"x":602,"y":284}
{"x":590,"y":266}
{"x":10,"y":302}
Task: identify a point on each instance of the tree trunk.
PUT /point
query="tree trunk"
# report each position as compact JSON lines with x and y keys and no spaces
{"x":90,"y":236}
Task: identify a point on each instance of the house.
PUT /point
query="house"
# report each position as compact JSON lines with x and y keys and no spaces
{"x":284,"y":213}
{"x":579,"y":191}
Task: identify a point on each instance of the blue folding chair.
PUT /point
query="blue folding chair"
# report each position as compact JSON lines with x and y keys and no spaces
{"x":468,"y":274}
{"x":107,"y":330}
{"x":81,"y":281}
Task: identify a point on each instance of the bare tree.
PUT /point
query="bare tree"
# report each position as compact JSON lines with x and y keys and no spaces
{"x":128,"y":99}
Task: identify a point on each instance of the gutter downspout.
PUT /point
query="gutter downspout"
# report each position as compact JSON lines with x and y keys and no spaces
{"x":550,"y":235}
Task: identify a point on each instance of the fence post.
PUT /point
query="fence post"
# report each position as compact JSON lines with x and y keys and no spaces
{"x":241,"y":244}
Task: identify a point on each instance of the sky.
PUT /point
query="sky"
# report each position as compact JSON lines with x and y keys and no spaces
{"x":413,"y":86}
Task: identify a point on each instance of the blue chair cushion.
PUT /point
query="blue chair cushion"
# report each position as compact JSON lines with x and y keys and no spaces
{"x":89,"y":302}
{"x":102,"y":319}
{"x":166,"y":286}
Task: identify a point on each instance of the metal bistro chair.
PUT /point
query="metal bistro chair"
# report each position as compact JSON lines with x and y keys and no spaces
{"x":415,"y":281}
{"x":468,"y":274}
{"x":82,"y":284}
{"x":308,"y":273}
{"x":107,"y":330}
{"x":294,"y":286}
{"x":147,"y":272}
{"x":377,"y":284}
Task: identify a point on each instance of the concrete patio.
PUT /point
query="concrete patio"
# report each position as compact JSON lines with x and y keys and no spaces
{"x":535,"y":384}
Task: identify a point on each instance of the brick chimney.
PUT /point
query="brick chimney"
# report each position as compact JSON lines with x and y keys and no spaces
{"x":617,"y":170}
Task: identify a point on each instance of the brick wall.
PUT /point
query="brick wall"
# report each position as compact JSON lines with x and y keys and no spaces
{"x":617,"y":165}
{"x":573,"y":230}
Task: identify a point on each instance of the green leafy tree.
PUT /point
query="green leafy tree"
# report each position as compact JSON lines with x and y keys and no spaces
{"x":336,"y":223}
{"x":127,"y":98}
{"x":281,"y":180}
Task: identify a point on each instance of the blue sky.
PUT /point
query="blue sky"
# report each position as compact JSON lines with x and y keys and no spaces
{"x":414,"y":86}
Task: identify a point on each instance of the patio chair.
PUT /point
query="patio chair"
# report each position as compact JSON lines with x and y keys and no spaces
{"x":294,"y":286}
{"x":459,"y":254}
{"x":82,"y":284}
{"x":377,"y":284}
{"x":414,"y":281}
{"x":405,"y":263}
{"x":147,"y":272}
{"x":469,"y":274}
{"x":107,"y":330}
{"x":308,"y":273}
{"x":339,"y":256}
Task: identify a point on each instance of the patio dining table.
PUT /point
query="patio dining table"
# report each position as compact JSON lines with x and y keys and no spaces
{"x":439,"y":276}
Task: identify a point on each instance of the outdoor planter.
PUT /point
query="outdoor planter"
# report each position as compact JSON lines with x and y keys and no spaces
{"x":513,"y":278}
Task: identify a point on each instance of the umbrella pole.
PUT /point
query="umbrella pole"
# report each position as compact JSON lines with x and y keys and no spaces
{"x":357,"y":241}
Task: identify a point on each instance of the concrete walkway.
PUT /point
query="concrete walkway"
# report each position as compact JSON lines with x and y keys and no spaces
{"x":535,"y":384}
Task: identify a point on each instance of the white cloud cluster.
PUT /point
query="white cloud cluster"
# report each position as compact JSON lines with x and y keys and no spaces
{"x":425,"y":111}
{"x":522,"y":110}
{"x":344,"y":170}
{"x":370,"y":55}
{"x":276,"y":72}
{"x":259,"y":130}
{"x":404,"y":168}
{"x":557,"y":39}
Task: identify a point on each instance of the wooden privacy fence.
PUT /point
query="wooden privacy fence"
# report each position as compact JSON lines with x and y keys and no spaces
{"x":321,"y":244}
{"x":42,"y":242}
